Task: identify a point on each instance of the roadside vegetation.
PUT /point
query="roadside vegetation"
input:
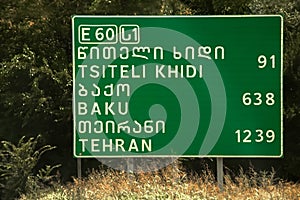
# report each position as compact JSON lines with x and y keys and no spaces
{"x":169,"y":183}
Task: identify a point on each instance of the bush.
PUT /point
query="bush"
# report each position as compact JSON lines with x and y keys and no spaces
{"x":171,"y":183}
{"x":17,"y":164}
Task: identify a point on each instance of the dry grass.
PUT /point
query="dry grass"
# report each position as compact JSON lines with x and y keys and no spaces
{"x":171,"y":183}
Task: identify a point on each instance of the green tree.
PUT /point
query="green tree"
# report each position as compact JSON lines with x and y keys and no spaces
{"x":17,"y":166}
{"x":36,"y":73}
{"x":218,"y":7}
{"x":138,"y":7}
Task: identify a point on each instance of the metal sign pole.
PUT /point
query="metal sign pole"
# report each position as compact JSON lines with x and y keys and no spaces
{"x":220,"y":173}
{"x":129,"y":165}
{"x":79,"y":167}
{"x":130,"y":168}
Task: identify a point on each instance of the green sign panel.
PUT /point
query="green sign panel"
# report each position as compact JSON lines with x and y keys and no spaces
{"x":206,"y":86}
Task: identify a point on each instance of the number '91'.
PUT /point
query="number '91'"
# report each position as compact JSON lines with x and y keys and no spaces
{"x":263,"y":61}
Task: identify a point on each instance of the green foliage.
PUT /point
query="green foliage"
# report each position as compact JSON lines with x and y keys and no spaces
{"x":36,"y":72}
{"x":17,"y":167}
{"x":35,"y":94}
{"x":138,"y":7}
{"x":218,"y":7}
{"x":35,"y":69}
{"x":119,"y":7}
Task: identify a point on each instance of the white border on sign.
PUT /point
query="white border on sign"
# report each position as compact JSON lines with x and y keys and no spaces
{"x":179,"y":16}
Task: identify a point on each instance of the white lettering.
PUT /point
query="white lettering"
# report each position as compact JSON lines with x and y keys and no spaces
{"x":85,"y":33}
{"x":94,"y":144}
{"x":176,"y":55}
{"x":147,"y":145}
{"x":96,"y":109}
{"x":119,"y":145}
{"x":82,"y":91}
{"x":109,"y":145}
{"x":190,"y":71}
{"x":82,"y":108}
{"x":81,"y":54}
{"x":158,"y":71}
{"x":83,"y":141}
{"x":133,"y":146}
{"x":82,"y":67}
{"x":94,"y":71}
{"x":108,"y":108}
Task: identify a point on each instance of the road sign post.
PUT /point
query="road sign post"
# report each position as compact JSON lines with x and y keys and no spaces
{"x":220,"y":173}
{"x":190,"y":86}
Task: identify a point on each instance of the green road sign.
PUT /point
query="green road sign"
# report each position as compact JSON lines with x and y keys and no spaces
{"x":206,"y":86}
